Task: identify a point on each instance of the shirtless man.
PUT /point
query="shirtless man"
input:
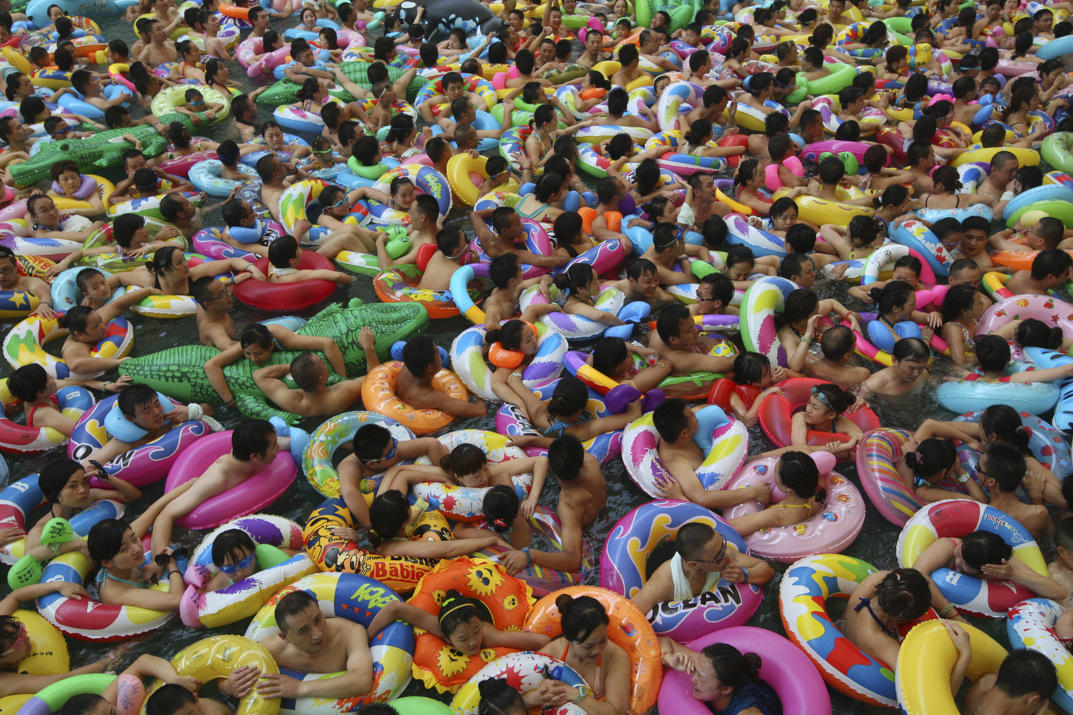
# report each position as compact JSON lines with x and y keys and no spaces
{"x":312,"y":643}
{"x":314,"y":397}
{"x":451,"y":246}
{"x":375,"y":451}
{"x":677,"y":426}
{"x":453,"y":88}
{"x":650,"y":43}
{"x":1003,"y":469}
{"x":421,"y":363}
{"x":908,"y":370}
{"x":630,"y":59}
{"x":12,"y":280}
{"x":678,"y":340}
{"x":1050,"y":270}
{"x":1004,"y":168}
{"x":254,"y":446}
{"x":700,"y":202}
{"x":1023,"y":684}
{"x":701,"y":561}
{"x":508,"y":237}
{"x":179,"y":210}
{"x":159,"y":49}
{"x":273,"y":182}
{"x":140,"y":405}
{"x":835,"y":366}
{"x":582,"y":496}
{"x":502,"y":303}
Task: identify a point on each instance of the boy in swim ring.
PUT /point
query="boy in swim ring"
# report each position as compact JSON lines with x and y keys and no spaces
{"x":421,"y":362}
{"x":678,"y":340}
{"x":837,"y":346}
{"x":140,"y":405}
{"x":502,"y":303}
{"x":451,"y":249}
{"x":235,"y":554}
{"x":985,"y":555}
{"x":1050,"y":271}
{"x":254,"y":446}
{"x":284,"y":254}
{"x":375,"y":451}
{"x":614,"y":358}
{"x":313,"y":396}
{"x":65,"y":486}
{"x":12,"y":280}
{"x":1003,"y":469}
{"x":754,"y":370}
{"x":701,"y":560}
{"x":677,"y":425}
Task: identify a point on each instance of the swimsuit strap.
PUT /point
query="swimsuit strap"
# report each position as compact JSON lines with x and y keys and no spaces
{"x":867,"y":604}
{"x":103,"y":575}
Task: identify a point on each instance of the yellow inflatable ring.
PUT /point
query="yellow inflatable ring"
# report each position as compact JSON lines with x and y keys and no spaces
{"x":24,"y":344}
{"x":925,"y":659}
{"x":104,"y":191}
{"x":216,"y":657}
{"x":464,"y":173}
{"x":378,"y":395}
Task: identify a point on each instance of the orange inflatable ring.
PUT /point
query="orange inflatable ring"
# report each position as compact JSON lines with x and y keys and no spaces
{"x":239,"y":13}
{"x":510,"y":359}
{"x":593,"y":93}
{"x":378,"y":394}
{"x":629,"y":630}
{"x":436,"y":664}
{"x":589,"y":214}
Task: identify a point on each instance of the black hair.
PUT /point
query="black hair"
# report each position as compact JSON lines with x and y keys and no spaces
{"x":106,"y":539}
{"x":282,"y":251}
{"x":500,"y":507}
{"x":566,"y":456}
{"x":251,"y":437}
{"x":932,"y":456}
{"x":1035,"y":333}
{"x":892,"y":296}
{"x":1006,"y":465}
{"x":1051,"y":262}
{"x":456,"y":609}
{"x":669,"y":320}
{"x":983,"y":547}
{"x":958,"y":299}
{"x":670,"y":419}
{"x":580,"y":616}
{"x":28,"y":381}
{"x":509,"y":334}
{"x":387,"y":514}
{"x":232,"y":544}
{"x":837,"y":342}
{"x":291,"y":605}
{"x":569,"y":397}
{"x":1027,"y":672}
{"x":992,"y":352}
{"x":498,"y":697}
{"x":838,"y":399}
{"x":1005,"y":423}
{"x":170,"y":698}
{"x":799,"y":472}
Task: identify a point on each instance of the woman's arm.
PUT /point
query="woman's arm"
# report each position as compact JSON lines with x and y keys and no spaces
{"x":403,"y":477}
{"x":440,"y":549}
{"x":955,"y":340}
{"x":520,"y":640}
{"x":214,"y":370}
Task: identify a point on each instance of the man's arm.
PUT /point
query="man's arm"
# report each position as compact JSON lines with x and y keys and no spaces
{"x":214,"y":370}
{"x":290,"y":340}
{"x":357,"y":679}
{"x":275,"y":389}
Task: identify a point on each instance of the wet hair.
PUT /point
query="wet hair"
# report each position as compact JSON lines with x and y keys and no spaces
{"x":251,"y":437}
{"x":1051,"y":262}
{"x":892,"y":296}
{"x":370,"y":442}
{"x":799,"y":472}
{"x":863,"y":230}
{"x":1005,"y":423}
{"x":464,"y":459}
{"x":992,"y":352}
{"x":982,"y":547}
{"x":305,"y":369}
{"x":903,"y":594}
{"x":456,"y":609}
{"x":738,"y":254}
{"x":418,"y":354}
{"x":1006,"y":465}
{"x":715,"y":232}
{"x":28,"y":381}
{"x":722,"y":287}
{"x":233,"y":544}
{"x":1026,"y":672}
{"x":608,"y":354}
{"x":831,"y":170}
{"x":670,"y":419}
{"x":498,"y":697}
{"x":838,"y":399}
{"x":282,"y":251}
{"x":566,"y":456}
{"x":932,"y":456}
{"x":947,"y":178}
{"x":799,"y":305}
{"x":106,"y":539}
{"x":76,"y":319}
{"x":837,"y":342}
{"x":500,"y":507}
{"x":387,"y":514}
{"x":570,"y":396}
{"x":669,"y":320}
{"x":54,"y":476}
{"x":750,"y":367}
{"x":958,"y":299}
{"x":1032,"y":333}
{"x":691,"y":539}
{"x":256,"y":334}
{"x":291,"y":605}
{"x":580,"y":616}
{"x":509,"y":334}
{"x":170,"y":698}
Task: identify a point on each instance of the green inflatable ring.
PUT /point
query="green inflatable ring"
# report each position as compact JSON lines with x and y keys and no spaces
{"x":286,"y":92}
{"x":643,"y":12}
{"x":418,"y":705}
{"x":1056,"y":151}
{"x":169,"y":98}
{"x":841,"y":76}
{"x":56,"y":695}
{"x":372,"y":173}
{"x":1061,"y":210}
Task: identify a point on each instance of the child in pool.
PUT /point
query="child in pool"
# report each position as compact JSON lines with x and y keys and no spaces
{"x":89,"y":327}
{"x":754,"y":371}
{"x":36,"y":389}
{"x":468,"y":466}
{"x":908,"y":370}
{"x":668,"y":250}
{"x":614,"y":357}
{"x":960,"y":313}
{"x":237,"y":557}
{"x":564,"y":413}
{"x":927,"y":462}
{"x":578,"y":288}
{"x":895,"y":304}
{"x":799,"y":479}
{"x":463,"y":623}
{"x":985,"y":555}
{"x":67,"y":182}
{"x":65,"y":485}
{"x":284,"y":255}
{"x":517,"y":336}
{"x":993,"y":355}
{"x":824,"y":412}
{"x":569,"y":234}
{"x":394,"y":531}
{"x":800,"y":324}
{"x":254,"y":446}
{"x":505,"y":273}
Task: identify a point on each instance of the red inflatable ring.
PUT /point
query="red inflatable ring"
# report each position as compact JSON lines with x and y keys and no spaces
{"x":776,"y":411}
{"x":286,"y":297}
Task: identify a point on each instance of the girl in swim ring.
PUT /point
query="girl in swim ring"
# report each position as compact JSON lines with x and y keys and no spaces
{"x":564,"y":413}
{"x":724,"y":679}
{"x":753,"y":370}
{"x":928,"y":462}
{"x":236,"y":556}
{"x":579,"y":286}
{"x":960,"y":313}
{"x":825,"y":412}
{"x":395,"y":531}
{"x":614,"y":358}
{"x":797,"y":476}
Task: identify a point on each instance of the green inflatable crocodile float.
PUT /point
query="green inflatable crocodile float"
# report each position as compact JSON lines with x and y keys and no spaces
{"x":180,"y":372}
{"x":286,"y":92}
{"x":100,"y":151}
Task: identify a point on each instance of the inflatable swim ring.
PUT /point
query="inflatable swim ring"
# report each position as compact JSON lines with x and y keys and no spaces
{"x":24,"y":344}
{"x":378,"y":394}
{"x":326,"y":439}
{"x":777,"y":410}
